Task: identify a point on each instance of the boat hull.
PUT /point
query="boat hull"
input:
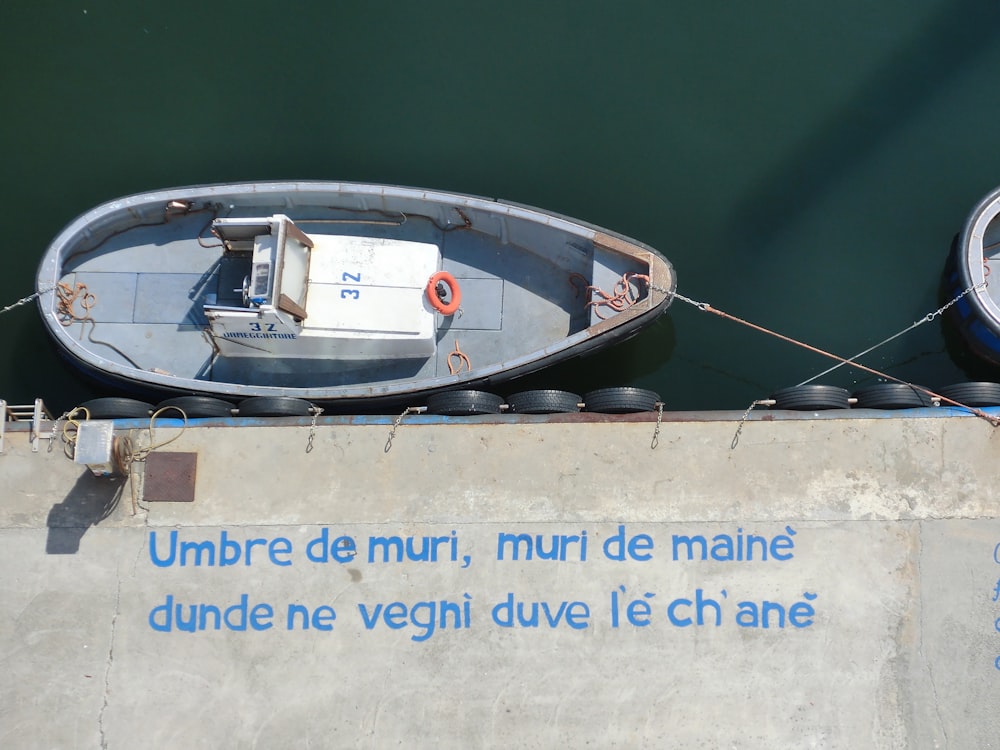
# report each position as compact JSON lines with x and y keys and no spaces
{"x":159,"y":271}
{"x":974,"y":256}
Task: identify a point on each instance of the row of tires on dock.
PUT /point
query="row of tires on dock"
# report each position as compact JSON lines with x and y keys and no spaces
{"x":619,"y":400}
{"x":884,"y":396}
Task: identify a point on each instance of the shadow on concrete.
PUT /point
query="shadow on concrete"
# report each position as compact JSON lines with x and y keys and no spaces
{"x":916,"y":72}
{"x":89,"y":501}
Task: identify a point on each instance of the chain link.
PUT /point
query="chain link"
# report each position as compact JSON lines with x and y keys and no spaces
{"x":926,"y":319}
{"x":746,"y":416}
{"x":681,"y":297}
{"x":659,"y":421}
{"x":931,"y":316}
{"x":26,"y":300}
{"x":677,"y":295}
{"x":399,"y":419}
{"x":316,"y":410}
{"x":55,"y":425}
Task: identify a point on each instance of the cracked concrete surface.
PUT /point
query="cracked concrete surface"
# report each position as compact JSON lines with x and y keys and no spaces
{"x":880,"y":539}
{"x":110,"y":664}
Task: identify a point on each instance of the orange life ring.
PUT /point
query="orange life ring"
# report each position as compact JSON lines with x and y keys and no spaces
{"x":436,"y":302}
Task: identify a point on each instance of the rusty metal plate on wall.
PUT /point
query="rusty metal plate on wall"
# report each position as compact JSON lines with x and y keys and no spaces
{"x":170,"y":477}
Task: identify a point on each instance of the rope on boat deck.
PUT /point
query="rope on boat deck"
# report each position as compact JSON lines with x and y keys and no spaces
{"x":67,"y":315}
{"x":463,"y":361}
{"x":622,"y":296}
{"x":316,"y":411}
{"x":68,"y":297}
{"x":705,"y":307}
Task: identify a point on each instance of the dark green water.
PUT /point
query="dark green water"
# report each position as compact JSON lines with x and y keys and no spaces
{"x":803,"y":164}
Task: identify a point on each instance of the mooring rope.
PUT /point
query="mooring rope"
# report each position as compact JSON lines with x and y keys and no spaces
{"x":705,"y":307}
{"x":926,"y":319}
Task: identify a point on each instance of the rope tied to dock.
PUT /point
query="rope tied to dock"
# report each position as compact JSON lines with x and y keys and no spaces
{"x":705,"y":307}
{"x":127,"y":449}
{"x":929,"y":317}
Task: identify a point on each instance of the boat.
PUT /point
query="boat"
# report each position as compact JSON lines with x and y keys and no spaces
{"x":345,"y":295}
{"x":974,"y":255}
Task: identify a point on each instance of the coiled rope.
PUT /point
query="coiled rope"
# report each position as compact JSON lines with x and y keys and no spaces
{"x":622,"y":296}
{"x":67,"y":299}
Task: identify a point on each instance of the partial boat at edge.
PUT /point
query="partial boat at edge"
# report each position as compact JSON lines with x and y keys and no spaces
{"x":974,"y":258}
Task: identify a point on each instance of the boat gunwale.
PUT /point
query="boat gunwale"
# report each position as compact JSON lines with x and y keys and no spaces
{"x":970,"y":247}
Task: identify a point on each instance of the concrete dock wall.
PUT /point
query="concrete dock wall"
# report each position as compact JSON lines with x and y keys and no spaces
{"x":828,"y":583}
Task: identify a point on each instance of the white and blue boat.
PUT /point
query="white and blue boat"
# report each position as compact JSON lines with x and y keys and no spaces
{"x":973,"y":268}
{"x":349,"y":295}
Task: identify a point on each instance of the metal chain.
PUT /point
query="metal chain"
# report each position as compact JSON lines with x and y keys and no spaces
{"x":399,"y":419}
{"x":930,"y":316}
{"x":29,"y":298}
{"x":926,"y":319}
{"x":816,"y":350}
{"x":746,"y":416}
{"x":56,"y":422}
{"x":316,"y":410}
{"x":704,"y":306}
{"x":659,"y":421}
{"x":681,"y":297}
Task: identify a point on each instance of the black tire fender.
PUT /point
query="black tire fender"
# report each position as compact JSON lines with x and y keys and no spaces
{"x":463,"y":403}
{"x":274,"y":406}
{"x":116,"y":407}
{"x":620,"y":400}
{"x":811,"y":397}
{"x":196,"y":407}
{"x":891,"y":396}
{"x":972,"y":394}
{"x":543,"y":402}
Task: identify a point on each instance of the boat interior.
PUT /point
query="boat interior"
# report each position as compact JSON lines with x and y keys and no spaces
{"x":140,"y":287}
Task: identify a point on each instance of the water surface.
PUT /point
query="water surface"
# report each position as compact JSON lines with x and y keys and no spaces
{"x":804,"y":165}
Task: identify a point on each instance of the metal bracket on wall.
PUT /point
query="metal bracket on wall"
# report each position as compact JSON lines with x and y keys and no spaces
{"x":18,"y":412}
